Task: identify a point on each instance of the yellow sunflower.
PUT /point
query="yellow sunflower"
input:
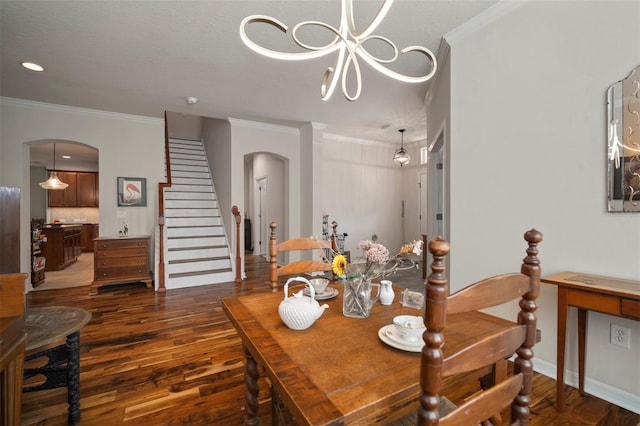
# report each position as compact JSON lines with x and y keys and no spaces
{"x":339,"y":265}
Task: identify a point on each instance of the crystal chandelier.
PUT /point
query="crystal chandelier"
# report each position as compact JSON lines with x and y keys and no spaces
{"x":53,"y":182}
{"x":401,"y":156}
{"x":350,"y":45}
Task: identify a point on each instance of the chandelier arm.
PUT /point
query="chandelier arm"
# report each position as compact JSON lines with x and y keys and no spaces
{"x":324,"y":92}
{"x":375,"y":58}
{"x":332,"y":45}
{"x":347,"y":8}
{"x":401,"y":77}
{"x":351,"y":59}
{"x":285,"y":56}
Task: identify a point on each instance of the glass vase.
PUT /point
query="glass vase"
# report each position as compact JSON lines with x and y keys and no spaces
{"x":356,"y":297}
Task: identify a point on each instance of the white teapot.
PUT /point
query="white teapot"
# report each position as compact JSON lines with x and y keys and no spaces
{"x":299,"y":312}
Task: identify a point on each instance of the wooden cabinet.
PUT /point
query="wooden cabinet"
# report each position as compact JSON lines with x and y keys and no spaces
{"x":64,"y":197}
{"x":89,"y":232}
{"x":81,"y":192}
{"x":87,"y":190}
{"x":121,"y":260}
{"x":63,"y":246}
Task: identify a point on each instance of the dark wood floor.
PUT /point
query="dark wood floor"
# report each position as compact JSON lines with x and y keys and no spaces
{"x":173,"y":359}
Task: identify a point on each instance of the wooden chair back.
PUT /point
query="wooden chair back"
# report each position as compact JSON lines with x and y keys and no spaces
{"x":485,"y":406}
{"x":309,"y":245}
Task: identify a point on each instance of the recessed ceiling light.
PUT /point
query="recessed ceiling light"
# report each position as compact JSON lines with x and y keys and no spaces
{"x":66,"y":156}
{"x":32,"y":66}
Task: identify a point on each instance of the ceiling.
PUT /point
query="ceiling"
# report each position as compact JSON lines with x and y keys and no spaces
{"x":144,"y":57}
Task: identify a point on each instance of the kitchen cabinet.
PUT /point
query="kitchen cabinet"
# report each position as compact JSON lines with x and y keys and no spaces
{"x":121,"y":260}
{"x":64,"y":197}
{"x":63,"y":246}
{"x":87,"y":190}
{"x":81,"y":192}
{"x":89,"y":232}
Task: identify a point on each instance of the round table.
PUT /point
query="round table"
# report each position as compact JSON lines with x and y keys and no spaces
{"x":45,"y":326}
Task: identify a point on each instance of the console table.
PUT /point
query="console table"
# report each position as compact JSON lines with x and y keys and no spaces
{"x":45,"y":326}
{"x":588,"y":292}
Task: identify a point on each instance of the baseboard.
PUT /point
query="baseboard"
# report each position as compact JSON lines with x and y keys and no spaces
{"x":598,"y":389}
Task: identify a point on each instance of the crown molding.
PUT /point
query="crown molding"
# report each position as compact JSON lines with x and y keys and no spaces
{"x":263,"y":126}
{"x":23,"y":103}
{"x":483,"y":19}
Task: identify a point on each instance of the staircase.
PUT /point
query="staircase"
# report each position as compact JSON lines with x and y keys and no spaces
{"x":197,"y":250}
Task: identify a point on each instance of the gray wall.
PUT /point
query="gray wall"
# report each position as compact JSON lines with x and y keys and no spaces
{"x":528,"y":149}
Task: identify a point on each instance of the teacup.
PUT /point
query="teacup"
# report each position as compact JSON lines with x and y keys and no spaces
{"x":319,"y":284}
{"x":408,"y":327}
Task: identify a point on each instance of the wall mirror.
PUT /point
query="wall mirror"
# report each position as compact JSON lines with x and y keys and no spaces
{"x":623,"y":142}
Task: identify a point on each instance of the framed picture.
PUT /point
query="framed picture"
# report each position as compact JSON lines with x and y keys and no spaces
{"x":132,"y":192}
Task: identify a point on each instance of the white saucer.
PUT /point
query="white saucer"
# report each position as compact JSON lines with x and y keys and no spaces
{"x":385,"y":334}
{"x":329,"y":293}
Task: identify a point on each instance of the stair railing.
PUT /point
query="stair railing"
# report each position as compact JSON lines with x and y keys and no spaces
{"x":161,"y":187}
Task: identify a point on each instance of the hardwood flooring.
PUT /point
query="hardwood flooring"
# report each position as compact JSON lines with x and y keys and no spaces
{"x":174,"y":359}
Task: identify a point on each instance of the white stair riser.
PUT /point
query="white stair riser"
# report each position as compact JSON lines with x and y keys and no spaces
{"x":186,"y":149}
{"x":215,"y":232}
{"x":189,"y":188}
{"x":189,"y":174}
{"x":185,"y":164}
{"x":173,"y":195}
{"x":184,"y":142}
{"x":195,"y":243}
{"x":192,"y":221}
{"x":191,"y":181}
{"x":191,"y":204}
{"x":177,"y":268}
{"x":197,"y":253}
{"x":177,"y":169}
{"x":213,"y":212}
{"x":196,"y":280}
{"x":188,"y":159}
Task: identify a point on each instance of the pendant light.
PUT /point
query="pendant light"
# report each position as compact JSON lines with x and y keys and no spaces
{"x":401,"y":156}
{"x":53,"y":182}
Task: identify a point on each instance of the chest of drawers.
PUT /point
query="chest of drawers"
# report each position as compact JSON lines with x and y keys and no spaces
{"x":121,"y":260}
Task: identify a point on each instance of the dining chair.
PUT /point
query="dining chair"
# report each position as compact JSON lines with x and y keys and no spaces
{"x":484,"y":406}
{"x":307,"y":246}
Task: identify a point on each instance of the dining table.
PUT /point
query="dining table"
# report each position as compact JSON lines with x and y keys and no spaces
{"x":340,"y":370}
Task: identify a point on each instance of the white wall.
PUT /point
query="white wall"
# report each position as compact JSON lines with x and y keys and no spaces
{"x":129,"y":146}
{"x":528,"y":147}
{"x":363,"y":191}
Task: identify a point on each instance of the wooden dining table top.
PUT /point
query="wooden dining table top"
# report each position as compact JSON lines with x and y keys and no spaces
{"x":338,"y":371}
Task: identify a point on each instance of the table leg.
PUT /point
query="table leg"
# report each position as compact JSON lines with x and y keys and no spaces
{"x":582,"y":343}
{"x":73,"y":377}
{"x":562,"y":334}
{"x":251,"y":374}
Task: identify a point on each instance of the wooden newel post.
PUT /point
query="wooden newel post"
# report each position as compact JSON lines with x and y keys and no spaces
{"x":236,"y":213}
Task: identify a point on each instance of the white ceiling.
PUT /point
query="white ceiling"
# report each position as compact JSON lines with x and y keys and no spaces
{"x":144,"y":57}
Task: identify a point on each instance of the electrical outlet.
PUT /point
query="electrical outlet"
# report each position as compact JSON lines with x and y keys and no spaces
{"x":620,"y":336}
